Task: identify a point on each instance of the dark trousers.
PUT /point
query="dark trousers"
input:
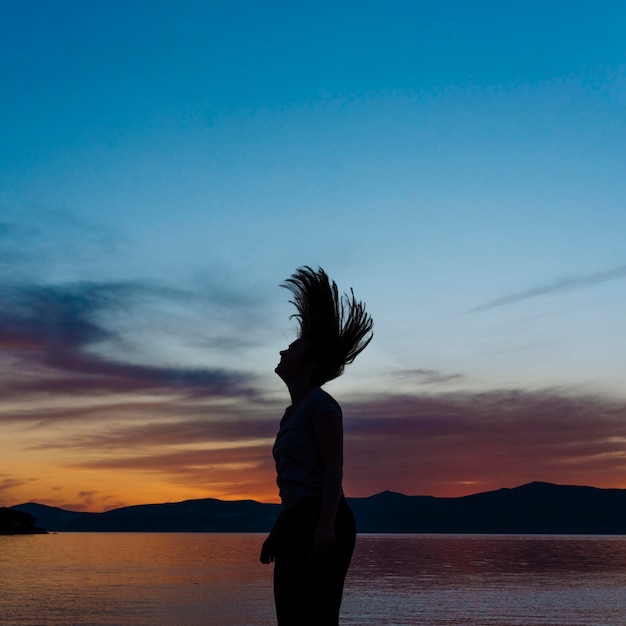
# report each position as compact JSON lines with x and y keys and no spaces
{"x":307,"y":591}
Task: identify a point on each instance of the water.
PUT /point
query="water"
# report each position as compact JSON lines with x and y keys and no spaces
{"x":100,"y":579}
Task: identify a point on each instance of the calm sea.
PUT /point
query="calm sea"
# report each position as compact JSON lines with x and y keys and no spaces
{"x":216,"y":579}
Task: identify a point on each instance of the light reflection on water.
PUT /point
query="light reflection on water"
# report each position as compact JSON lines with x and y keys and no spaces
{"x":103,"y":579}
{"x":489,"y":580}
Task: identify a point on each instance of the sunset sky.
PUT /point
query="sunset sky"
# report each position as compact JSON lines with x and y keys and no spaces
{"x":166,"y":164}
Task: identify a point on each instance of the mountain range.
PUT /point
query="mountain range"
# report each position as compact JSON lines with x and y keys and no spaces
{"x":532,"y":508}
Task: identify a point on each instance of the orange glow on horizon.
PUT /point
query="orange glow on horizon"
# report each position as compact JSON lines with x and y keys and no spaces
{"x":445,"y":446}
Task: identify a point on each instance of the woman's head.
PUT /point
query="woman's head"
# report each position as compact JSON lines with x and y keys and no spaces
{"x":334,"y":329}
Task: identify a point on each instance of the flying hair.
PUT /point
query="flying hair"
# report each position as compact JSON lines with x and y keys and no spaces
{"x":335,"y":329}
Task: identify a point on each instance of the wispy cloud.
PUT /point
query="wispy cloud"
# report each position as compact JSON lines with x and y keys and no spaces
{"x":435,"y":444}
{"x":431,"y":444}
{"x":217,"y":428}
{"x":52,"y":338}
{"x":427,"y":376}
{"x":8,"y":483}
{"x":558,"y":286}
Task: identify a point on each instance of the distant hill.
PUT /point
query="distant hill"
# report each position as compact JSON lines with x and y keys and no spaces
{"x":532,"y":508}
{"x":208,"y":515}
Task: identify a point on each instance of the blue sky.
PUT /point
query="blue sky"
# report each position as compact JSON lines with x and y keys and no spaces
{"x":165,"y":165}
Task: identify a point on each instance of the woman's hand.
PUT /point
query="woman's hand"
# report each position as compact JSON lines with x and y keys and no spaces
{"x":268,"y":552}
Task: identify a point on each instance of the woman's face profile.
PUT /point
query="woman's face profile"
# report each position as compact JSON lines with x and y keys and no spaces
{"x":293,"y":360}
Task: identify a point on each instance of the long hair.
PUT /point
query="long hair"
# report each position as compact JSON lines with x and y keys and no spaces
{"x":336,"y":329}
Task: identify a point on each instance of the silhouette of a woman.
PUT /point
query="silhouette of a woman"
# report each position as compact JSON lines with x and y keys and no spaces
{"x":312,"y":541}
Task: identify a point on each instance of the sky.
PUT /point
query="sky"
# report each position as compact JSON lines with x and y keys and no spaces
{"x":165,"y":165}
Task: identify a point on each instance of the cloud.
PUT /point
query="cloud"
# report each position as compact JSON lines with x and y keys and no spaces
{"x":559,"y":286}
{"x":10,"y":483}
{"x":52,"y":339}
{"x":217,"y":427}
{"x":87,"y":497}
{"x":427,"y":376}
{"x":445,"y":444}
{"x":437,"y":444}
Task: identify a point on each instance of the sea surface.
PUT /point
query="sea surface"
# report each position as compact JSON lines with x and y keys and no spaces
{"x":216,"y":579}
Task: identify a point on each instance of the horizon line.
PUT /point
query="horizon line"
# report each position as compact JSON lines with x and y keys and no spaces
{"x":384,"y":491}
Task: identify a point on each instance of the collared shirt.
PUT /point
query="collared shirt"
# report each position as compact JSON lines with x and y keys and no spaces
{"x":299,"y":469}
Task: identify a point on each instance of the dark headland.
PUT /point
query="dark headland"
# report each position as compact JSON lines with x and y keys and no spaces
{"x":535,"y":508}
{"x":16,"y":522}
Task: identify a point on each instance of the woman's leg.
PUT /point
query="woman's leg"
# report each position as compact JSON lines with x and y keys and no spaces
{"x":308,"y":591}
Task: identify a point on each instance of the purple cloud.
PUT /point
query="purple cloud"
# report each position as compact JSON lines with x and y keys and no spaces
{"x":48,"y":336}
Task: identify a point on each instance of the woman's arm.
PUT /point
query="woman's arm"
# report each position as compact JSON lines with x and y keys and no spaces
{"x":329,"y":433}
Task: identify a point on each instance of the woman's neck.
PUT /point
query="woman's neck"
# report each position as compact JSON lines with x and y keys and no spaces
{"x":298,"y":390}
